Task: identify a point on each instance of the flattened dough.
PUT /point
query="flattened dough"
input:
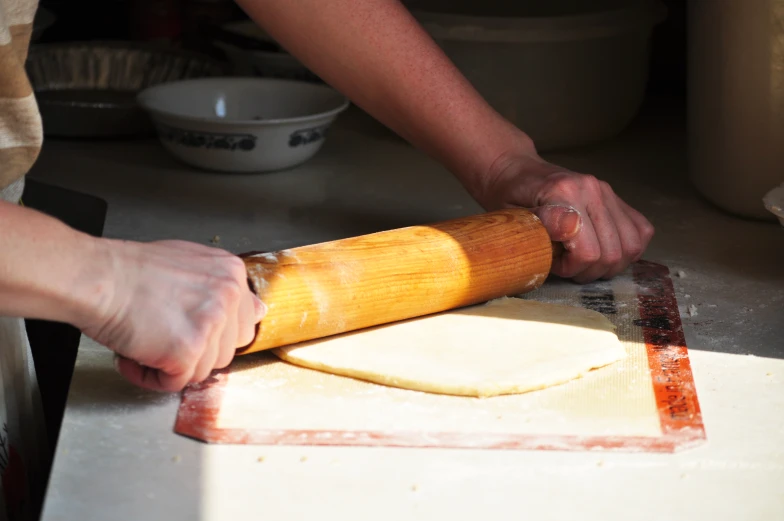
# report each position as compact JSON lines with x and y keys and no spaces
{"x":506,"y":346}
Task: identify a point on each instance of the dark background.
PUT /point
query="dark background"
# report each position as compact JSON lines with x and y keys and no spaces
{"x":186,"y":23}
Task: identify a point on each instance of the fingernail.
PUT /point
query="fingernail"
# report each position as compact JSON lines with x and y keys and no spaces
{"x":569,"y":213}
{"x":117,"y":363}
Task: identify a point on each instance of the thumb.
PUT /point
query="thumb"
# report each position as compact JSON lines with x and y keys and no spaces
{"x":562,"y":223}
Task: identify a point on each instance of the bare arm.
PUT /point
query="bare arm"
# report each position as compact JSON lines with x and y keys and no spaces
{"x":47,"y":270}
{"x":376,"y":53}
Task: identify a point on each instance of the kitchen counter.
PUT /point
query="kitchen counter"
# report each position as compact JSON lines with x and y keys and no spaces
{"x":118,"y":457}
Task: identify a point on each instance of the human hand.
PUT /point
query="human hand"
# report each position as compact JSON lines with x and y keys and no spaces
{"x":600,"y":233}
{"x":172,"y":311}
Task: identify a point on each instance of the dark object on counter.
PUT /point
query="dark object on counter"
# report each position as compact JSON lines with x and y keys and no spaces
{"x":54,"y":345}
{"x":156,"y":21}
{"x":201,"y":17}
{"x":44,"y":19}
{"x":89,"y":89}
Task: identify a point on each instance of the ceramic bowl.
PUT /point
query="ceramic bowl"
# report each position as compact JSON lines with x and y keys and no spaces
{"x":242,"y":124}
{"x":774,"y":202}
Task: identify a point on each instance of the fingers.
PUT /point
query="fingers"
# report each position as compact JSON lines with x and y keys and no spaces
{"x":212,"y":348}
{"x":602,"y":239}
{"x":219,"y":347}
{"x":250,"y":313}
{"x":149,"y":378}
{"x":239,"y":313}
{"x":644,"y":228}
{"x":629,"y":236}
{"x":580,"y":252}
{"x":601,"y":235}
{"x":238,"y":330}
{"x":609,"y":246}
{"x":562,"y":222}
{"x":184,"y":312}
{"x":229,"y":340}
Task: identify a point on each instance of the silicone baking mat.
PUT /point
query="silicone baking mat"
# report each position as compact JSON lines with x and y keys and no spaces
{"x":646,"y":402}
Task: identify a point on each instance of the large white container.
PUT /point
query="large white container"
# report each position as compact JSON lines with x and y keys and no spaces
{"x":567,"y":72}
{"x":736,"y":101}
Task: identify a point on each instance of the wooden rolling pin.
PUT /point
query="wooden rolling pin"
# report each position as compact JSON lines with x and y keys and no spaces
{"x":334,"y":287}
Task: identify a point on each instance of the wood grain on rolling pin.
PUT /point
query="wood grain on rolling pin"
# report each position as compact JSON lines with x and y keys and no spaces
{"x":335,"y":287}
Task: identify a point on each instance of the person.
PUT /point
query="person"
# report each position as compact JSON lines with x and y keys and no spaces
{"x":172,"y":311}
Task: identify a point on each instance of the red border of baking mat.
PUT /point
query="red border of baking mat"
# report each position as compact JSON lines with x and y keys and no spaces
{"x":671,"y":377}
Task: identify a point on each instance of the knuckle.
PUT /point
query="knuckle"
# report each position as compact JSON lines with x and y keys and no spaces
{"x":246,"y":335}
{"x":588,"y":255}
{"x":591,"y":184}
{"x":613,"y":257}
{"x":222,"y":293}
{"x":235,"y":267}
{"x":225,"y":359}
{"x":173,"y":385}
{"x":230,"y":290}
{"x":563,"y":185}
{"x":201,"y":375}
{"x":208,"y":319}
{"x":228,"y":286}
{"x":565,"y":270}
{"x":633,"y":251}
{"x":647,"y":232}
{"x":185,"y":350}
{"x":192,"y":333}
{"x":633,"y":247}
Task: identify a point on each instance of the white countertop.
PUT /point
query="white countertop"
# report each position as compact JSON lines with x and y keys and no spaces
{"x":118,"y":457}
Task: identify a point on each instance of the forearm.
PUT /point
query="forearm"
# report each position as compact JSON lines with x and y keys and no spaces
{"x":47,"y":270}
{"x":376,"y":53}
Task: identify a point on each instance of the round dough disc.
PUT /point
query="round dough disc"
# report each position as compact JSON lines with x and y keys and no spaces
{"x":505,"y":346}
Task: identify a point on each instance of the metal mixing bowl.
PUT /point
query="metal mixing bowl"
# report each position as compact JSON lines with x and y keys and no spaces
{"x":89,"y":89}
